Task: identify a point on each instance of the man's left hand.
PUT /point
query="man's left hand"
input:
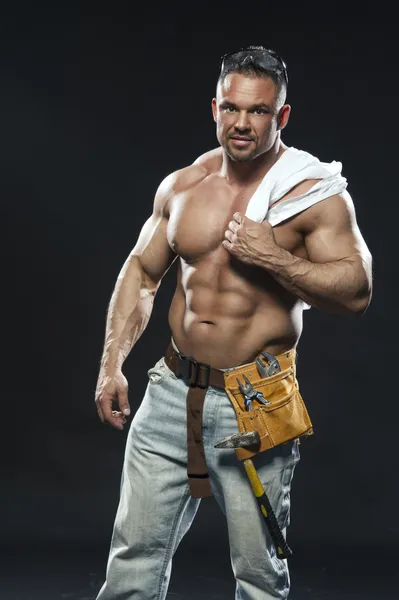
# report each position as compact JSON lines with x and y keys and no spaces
{"x":247,"y":240}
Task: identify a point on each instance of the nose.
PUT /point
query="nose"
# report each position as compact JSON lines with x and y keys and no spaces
{"x":242,"y":123}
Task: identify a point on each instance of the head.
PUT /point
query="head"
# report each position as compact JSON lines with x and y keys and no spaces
{"x":249,"y":108}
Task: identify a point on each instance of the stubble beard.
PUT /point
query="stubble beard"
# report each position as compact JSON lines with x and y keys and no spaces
{"x":239,"y":156}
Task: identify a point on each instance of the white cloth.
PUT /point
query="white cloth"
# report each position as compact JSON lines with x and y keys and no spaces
{"x":293,"y":167}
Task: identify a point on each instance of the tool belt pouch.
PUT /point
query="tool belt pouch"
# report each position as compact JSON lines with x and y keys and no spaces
{"x":284,"y":419}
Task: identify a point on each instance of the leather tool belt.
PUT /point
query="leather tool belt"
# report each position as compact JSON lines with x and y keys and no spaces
{"x":284,"y":418}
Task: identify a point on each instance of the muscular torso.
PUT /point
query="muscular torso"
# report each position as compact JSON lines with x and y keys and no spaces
{"x":225,"y":311}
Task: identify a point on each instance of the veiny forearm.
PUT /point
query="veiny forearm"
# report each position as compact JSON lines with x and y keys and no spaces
{"x":128,"y":314}
{"x":342,"y":286}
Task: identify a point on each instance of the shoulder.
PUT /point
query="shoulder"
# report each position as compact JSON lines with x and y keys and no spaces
{"x":177,"y":182}
{"x":211,"y":160}
{"x":187,"y":177}
{"x":183,"y":179}
{"x":336,"y":211}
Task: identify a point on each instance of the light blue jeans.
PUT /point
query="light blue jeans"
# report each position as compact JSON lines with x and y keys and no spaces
{"x":155,"y":509}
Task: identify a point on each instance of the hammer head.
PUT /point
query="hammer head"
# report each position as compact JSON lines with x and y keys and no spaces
{"x":249,"y":440}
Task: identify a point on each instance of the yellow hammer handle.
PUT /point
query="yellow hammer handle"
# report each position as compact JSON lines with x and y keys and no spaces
{"x":282,"y":548}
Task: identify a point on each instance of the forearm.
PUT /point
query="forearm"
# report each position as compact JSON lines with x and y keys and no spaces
{"x":342,"y":286}
{"x":129,"y":311}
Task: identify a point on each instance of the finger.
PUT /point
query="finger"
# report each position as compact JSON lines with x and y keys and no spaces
{"x":228,"y":234}
{"x":99,"y":411}
{"x":237,"y":217}
{"x":226,"y":244}
{"x":119,"y":416}
{"x":108,"y":414}
{"x":117,"y":413}
{"x":124,"y":402}
{"x":117,"y":422}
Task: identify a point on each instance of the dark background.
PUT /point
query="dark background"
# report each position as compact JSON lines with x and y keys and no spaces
{"x":98,"y":104}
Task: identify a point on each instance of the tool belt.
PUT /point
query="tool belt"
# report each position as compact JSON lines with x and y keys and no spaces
{"x":282,"y":419}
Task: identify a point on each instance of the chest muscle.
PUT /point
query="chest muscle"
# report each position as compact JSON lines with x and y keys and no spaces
{"x":198,"y":221}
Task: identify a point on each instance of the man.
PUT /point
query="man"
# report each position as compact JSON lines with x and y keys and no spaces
{"x":241,"y":288}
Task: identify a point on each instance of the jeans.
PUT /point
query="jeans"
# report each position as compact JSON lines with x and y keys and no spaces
{"x":156,"y":510}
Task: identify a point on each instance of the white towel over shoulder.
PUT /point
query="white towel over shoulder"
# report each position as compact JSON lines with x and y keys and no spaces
{"x":293,"y":167}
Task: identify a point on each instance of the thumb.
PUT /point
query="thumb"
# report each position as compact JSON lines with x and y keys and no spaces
{"x":124,"y":402}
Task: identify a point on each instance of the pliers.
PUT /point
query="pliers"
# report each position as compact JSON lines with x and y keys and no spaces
{"x":268,"y":370}
{"x":250,"y":394}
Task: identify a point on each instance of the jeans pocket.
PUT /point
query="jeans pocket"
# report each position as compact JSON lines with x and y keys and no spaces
{"x":159,"y":371}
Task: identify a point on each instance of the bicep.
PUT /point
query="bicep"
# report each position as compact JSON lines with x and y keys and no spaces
{"x":152,"y":247}
{"x":153,"y":250}
{"x":332,"y":233}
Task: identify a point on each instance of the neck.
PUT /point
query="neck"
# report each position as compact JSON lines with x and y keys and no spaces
{"x":244,"y":173}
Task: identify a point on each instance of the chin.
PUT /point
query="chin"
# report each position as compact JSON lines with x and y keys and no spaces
{"x":244,"y":159}
{"x":239,"y":156}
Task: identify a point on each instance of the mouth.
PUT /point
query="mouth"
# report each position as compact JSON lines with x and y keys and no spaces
{"x":241,"y":141}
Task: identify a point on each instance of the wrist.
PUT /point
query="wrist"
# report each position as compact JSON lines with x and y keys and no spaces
{"x":110,"y":364}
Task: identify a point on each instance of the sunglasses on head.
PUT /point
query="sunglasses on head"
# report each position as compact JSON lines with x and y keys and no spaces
{"x":263,"y":59}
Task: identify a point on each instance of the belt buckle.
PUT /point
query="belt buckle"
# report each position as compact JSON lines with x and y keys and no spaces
{"x":185,"y":371}
{"x":207,"y":375}
{"x":184,"y":368}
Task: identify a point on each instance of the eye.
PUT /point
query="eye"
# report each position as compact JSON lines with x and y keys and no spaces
{"x":229,"y":109}
{"x":260,"y":111}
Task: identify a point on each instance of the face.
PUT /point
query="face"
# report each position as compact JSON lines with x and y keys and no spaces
{"x":249,"y":115}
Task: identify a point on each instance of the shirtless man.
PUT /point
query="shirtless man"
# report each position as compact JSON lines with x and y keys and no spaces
{"x":241,"y":288}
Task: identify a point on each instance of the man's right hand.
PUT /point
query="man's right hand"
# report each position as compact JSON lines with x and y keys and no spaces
{"x":110,"y":390}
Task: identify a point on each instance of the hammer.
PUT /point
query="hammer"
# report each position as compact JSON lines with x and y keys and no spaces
{"x":251,"y":441}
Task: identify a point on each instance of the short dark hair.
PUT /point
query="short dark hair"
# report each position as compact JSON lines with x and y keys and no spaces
{"x":255,"y":61}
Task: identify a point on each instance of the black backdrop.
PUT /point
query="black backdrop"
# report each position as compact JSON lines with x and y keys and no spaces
{"x":98,"y":104}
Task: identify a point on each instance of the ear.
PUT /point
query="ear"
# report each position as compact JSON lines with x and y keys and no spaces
{"x":283,"y":116}
{"x":214,"y":109}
